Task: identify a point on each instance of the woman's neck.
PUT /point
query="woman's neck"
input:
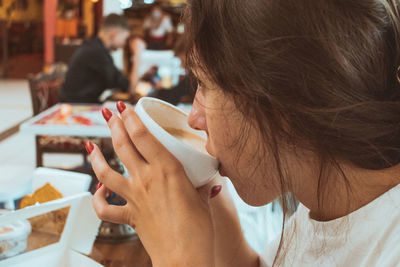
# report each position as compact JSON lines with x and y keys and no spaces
{"x":338,"y":196}
{"x":104,"y":36}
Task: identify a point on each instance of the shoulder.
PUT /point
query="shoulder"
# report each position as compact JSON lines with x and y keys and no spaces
{"x":167,"y":19}
{"x":92,"y":51}
{"x":92,"y":46}
{"x":388,"y":227}
{"x":385,"y":248}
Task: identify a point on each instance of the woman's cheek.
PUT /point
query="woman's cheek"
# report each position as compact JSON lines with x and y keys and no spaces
{"x":209,"y":149}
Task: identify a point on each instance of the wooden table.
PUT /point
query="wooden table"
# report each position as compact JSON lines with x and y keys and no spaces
{"x":130,"y":253}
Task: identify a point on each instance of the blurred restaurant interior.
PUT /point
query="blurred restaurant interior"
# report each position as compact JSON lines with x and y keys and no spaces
{"x":42,"y":136}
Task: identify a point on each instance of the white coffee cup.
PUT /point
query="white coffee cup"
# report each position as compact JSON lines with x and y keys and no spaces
{"x":159,"y":116}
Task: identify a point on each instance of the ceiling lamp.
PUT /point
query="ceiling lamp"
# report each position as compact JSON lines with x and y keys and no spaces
{"x":125,"y":3}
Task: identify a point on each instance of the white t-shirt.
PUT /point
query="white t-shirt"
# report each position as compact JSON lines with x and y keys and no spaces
{"x":164,"y":27}
{"x":369,"y":236}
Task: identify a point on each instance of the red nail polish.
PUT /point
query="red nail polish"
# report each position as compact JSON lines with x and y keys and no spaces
{"x":89,"y":147}
{"x":215,"y":191}
{"x":121,"y":106}
{"x":98,"y":186}
{"x":106,"y":114}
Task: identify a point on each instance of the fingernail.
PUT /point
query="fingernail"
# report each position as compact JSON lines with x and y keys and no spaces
{"x":89,"y":147}
{"x":121,"y":106}
{"x":215,"y":191}
{"x":106,"y":114}
{"x":98,"y":186}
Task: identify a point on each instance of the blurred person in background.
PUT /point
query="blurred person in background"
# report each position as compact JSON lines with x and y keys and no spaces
{"x":183,"y":91}
{"x":158,"y":29}
{"x":92,"y":70}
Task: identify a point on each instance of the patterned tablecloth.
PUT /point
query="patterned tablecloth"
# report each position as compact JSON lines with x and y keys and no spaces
{"x":68,"y":120}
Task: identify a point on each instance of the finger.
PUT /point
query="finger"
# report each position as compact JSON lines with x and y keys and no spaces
{"x":110,"y":178}
{"x":148,"y":146}
{"x":123,"y":146}
{"x":108,"y":191}
{"x":107,"y":212}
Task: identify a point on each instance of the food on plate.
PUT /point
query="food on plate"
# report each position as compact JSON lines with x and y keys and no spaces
{"x":41,"y":195}
{"x":52,"y":222}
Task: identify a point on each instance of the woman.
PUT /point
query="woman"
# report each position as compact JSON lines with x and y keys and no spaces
{"x":158,"y":29}
{"x":295,"y":96}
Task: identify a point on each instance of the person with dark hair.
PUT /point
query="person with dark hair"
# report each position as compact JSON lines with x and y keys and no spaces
{"x":91,"y":69}
{"x":295,"y":96}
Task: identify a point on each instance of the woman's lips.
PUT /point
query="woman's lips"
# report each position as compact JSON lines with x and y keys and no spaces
{"x":220,"y":167}
{"x":221,"y":170}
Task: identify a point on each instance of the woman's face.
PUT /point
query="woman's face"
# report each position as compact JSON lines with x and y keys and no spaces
{"x":118,"y":38}
{"x":156,"y":12}
{"x":236,"y":144}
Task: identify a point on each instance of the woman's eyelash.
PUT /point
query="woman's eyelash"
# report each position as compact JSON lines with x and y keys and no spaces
{"x":200,"y":83}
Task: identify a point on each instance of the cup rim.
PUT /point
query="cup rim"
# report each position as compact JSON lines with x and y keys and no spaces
{"x":175,"y":108}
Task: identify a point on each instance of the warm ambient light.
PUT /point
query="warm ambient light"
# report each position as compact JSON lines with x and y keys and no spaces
{"x":95,"y":1}
{"x":125,"y":3}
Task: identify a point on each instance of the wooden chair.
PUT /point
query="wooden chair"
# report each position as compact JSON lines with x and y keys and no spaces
{"x":45,"y":91}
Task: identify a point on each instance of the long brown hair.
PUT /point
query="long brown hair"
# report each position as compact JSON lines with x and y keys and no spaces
{"x":327,"y":69}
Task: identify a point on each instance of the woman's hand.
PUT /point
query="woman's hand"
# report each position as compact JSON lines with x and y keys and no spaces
{"x":170,"y":216}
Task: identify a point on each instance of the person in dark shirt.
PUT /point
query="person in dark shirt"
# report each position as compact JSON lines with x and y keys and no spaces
{"x":91,"y":69}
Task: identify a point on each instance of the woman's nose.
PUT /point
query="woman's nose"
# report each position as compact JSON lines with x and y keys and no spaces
{"x":197,"y":116}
